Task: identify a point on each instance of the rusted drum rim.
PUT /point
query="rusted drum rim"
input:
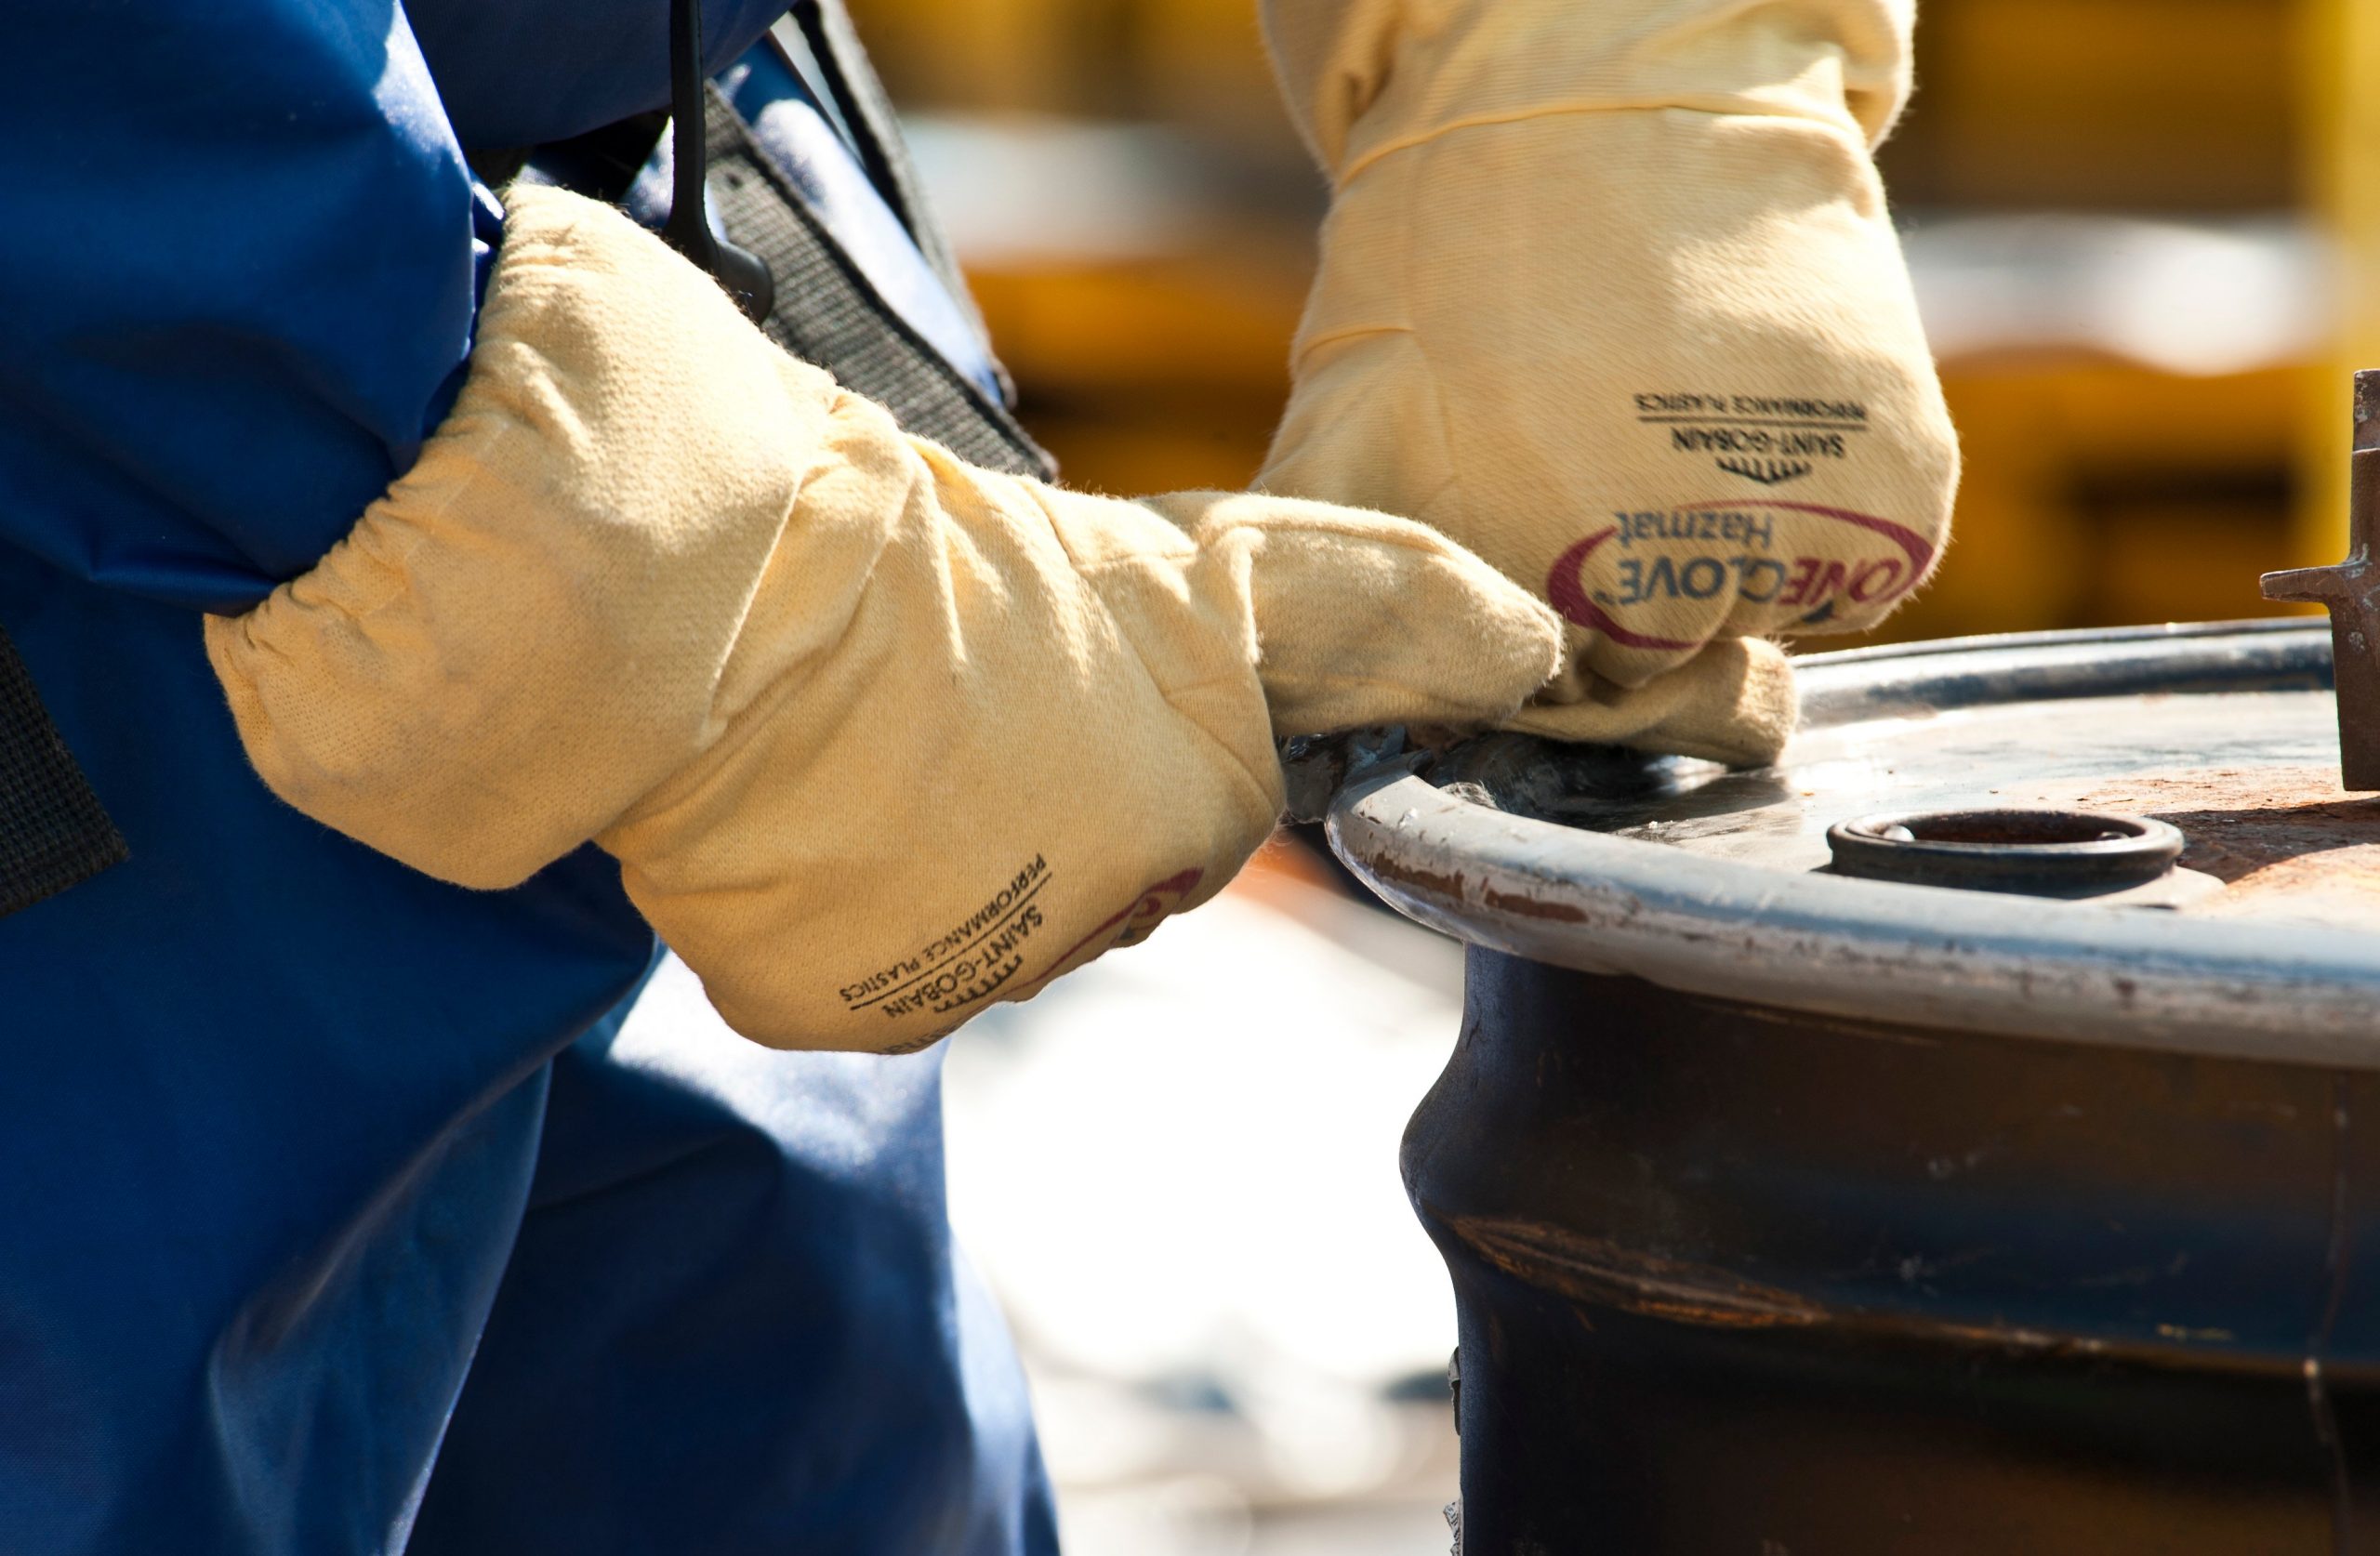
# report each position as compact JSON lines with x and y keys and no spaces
{"x":1922,"y":956}
{"x":2049,"y":854}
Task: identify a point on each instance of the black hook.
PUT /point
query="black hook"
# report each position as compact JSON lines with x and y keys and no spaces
{"x":742,"y":272}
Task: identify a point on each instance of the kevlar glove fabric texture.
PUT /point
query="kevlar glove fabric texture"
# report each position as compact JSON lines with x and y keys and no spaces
{"x":878,"y":738}
{"x":1608,"y":293}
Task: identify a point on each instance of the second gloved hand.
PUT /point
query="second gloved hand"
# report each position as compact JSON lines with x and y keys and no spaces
{"x":1610,"y":294}
{"x":879,"y":738}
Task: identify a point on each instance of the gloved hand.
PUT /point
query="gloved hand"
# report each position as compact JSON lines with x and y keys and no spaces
{"x":1609,"y":295}
{"x":876,"y":737}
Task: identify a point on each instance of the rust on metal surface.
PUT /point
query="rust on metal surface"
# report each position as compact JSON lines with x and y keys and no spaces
{"x":1414,"y":875}
{"x":1531,"y":908}
{"x":2350,"y":591}
{"x":2282,"y":839}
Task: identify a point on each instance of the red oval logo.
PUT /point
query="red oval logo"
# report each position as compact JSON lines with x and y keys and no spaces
{"x":1813,"y":584}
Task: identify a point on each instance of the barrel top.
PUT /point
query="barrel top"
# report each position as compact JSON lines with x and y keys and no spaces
{"x":2263,"y":941}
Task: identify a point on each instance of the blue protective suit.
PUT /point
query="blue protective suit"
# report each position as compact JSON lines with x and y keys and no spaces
{"x":334,"y":1216}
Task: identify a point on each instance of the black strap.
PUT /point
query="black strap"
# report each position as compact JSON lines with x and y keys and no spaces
{"x":54,"y":833}
{"x":601,"y":164}
{"x":827,"y":312}
{"x":826,"y":26}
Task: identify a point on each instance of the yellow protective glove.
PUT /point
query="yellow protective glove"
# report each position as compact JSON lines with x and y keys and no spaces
{"x":876,"y":737}
{"x":1609,"y":294}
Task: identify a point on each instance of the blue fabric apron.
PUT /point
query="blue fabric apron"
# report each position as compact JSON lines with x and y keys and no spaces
{"x":333,"y":1216}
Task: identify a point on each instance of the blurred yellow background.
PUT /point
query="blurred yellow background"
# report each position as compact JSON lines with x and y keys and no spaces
{"x":2126,"y":219}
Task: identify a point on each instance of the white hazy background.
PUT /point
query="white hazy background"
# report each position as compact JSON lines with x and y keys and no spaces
{"x":1178,"y":1169}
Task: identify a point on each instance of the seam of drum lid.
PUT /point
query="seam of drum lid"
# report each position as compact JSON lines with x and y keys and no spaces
{"x":1861,"y":684}
{"x":2168,"y":632}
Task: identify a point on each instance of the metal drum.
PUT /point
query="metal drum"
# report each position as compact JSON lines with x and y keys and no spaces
{"x":1969,"y":1181}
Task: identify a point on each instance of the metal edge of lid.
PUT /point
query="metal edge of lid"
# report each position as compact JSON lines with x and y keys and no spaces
{"x":1910,"y":955}
{"x":2078,"y":637}
{"x":2041,"y":666}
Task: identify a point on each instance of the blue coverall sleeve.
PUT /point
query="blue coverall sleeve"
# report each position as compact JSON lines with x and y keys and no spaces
{"x":240,"y":245}
{"x":242,"y":251}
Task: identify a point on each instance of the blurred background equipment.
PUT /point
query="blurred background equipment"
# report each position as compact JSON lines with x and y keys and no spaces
{"x":2132,"y":224}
